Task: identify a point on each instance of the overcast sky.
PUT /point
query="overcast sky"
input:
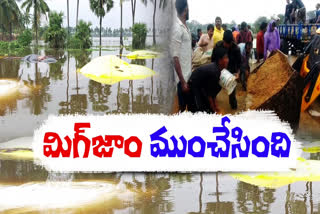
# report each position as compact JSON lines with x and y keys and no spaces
{"x":112,"y":19}
{"x":205,"y":11}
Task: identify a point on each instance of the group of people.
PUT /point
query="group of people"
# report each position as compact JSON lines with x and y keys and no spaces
{"x":197,"y":90}
{"x":231,"y":50}
{"x":295,"y":12}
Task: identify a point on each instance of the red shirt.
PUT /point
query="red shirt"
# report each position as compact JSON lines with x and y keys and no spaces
{"x":260,"y":42}
{"x":244,"y":37}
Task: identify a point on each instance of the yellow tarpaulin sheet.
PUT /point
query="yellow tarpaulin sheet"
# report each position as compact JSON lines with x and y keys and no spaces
{"x":143,"y":54}
{"x":111,"y":69}
{"x":16,"y":154}
{"x":307,"y":171}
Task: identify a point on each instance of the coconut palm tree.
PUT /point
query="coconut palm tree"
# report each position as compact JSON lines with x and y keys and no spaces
{"x":121,"y":30}
{"x":133,"y":8}
{"x":39,"y":7}
{"x":68,"y":18}
{"x":25,"y":20}
{"x":162,"y":5}
{"x":100,"y":8}
{"x":77,"y":12}
{"x":9,"y":15}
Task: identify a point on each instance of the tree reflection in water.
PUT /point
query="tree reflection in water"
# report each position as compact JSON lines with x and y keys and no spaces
{"x":79,"y":102}
{"x":65,"y":105}
{"x":40,"y":87}
{"x":152,"y":193}
{"x":253,"y":199}
{"x":218,"y":207}
{"x":56,"y":72}
{"x":294,"y":204}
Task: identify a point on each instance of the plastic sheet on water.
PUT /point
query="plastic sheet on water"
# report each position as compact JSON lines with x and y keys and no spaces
{"x":307,"y":171}
{"x":111,"y":69}
{"x":143,"y":54}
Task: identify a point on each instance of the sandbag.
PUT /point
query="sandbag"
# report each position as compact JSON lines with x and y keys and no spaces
{"x":200,"y":58}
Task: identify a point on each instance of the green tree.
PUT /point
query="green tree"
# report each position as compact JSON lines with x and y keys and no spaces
{"x":139,"y":35}
{"x":258,"y":22}
{"x":100,"y":8}
{"x":82,"y":38}
{"x":25,"y":38}
{"x":281,"y":17}
{"x":39,"y":7}
{"x":25,"y":20}
{"x":9,"y":15}
{"x":55,"y":34}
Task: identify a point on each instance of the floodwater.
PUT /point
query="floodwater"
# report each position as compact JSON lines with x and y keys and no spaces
{"x":58,"y":89}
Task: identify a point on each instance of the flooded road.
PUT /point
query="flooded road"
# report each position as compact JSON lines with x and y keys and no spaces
{"x":59,"y":90}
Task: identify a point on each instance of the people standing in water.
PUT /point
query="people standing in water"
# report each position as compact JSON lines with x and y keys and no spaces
{"x":260,"y":41}
{"x":234,"y":56}
{"x":204,"y":84}
{"x":271,"y":39}
{"x":181,"y":52}
{"x":206,"y":40}
{"x":218,"y":31}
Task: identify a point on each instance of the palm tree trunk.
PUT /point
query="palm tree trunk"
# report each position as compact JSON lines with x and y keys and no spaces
{"x":10,"y":29}
{"x":133,"y":8}
{"x":36,"y":21}
{"x":77,"y":12}
{"x":121,"y":39}
{"x":100,"y":42}
{"x":154,"y":22}
{"x":68,"y":16}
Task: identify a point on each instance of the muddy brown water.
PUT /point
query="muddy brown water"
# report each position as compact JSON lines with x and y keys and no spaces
{"x":59,"y":90}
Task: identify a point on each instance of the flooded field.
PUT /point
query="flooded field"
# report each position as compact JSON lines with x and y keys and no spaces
{"x":59,"y":90}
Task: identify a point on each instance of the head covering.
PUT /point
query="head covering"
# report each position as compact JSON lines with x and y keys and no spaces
{"x":269,"y":29}
{"x":275,"y":18}
{"x":271,"y":39}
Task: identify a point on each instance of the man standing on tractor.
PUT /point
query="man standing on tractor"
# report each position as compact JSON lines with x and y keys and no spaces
{"x":300,"y":11}
{"x":287,"y":15}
